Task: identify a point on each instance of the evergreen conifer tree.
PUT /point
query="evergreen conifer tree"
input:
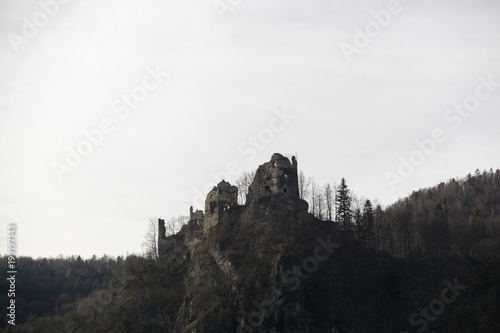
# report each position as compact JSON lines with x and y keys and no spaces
{"x":343,"y":206}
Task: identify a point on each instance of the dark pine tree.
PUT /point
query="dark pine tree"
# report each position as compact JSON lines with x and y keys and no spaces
{"x":359,"y":227}
{"x":343,"y":206}
{"x":368,"y":223}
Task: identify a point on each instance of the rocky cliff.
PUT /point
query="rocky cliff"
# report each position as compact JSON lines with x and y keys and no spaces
{"x":270,"y":266}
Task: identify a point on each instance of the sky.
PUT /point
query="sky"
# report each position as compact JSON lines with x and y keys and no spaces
{"x":114,"y":112}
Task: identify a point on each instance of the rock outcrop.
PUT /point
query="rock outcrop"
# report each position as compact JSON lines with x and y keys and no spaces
{"x":270,"y":266}
{"x":245,"y":252}
{"x":274,"y":190}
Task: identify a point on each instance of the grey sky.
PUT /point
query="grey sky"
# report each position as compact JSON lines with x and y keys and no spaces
{"x":228,"y":78}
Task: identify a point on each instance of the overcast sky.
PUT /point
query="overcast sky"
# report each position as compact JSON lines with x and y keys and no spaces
{"x":112,"y":112}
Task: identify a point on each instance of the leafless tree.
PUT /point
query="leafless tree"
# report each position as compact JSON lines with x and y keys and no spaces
{"x":172,"y":226}
{"x":175,"y":224}
{"x":304,"y":186}
{"x":320,"y":204}
{"x":150,"y":244}
{"x":317,"y":200}
{"x":329,"y":201}
{"x":357,"y":201}
{"x":243,"y":183}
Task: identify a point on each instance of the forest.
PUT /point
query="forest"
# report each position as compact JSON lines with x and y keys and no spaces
{"x":443,"y":223}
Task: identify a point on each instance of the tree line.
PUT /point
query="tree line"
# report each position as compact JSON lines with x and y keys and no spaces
{"x":48,"y":286}
{"x":329,"y":202}
{"x":441,"y":221}
{"x":447,"y":219}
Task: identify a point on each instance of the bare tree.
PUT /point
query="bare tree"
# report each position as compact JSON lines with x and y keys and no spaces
{"x":243,"y":183}
{"x":150,"y":244}
{"x":172,"y":226}
{"x":312,"y":203}
{"x":329,"y":201}
{"x":175,"y":224}
{"x":357,"y":202}
{"x":304,"y":186}
{"x":317,"y":200}
{"x":320,"y":204}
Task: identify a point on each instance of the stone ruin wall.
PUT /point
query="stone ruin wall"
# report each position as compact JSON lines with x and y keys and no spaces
{"x":276,"y":176}
{"x":220,"y":198}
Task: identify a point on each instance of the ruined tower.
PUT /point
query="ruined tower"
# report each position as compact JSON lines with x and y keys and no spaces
{"x":275,"y":189}
{"x":162,"y":238}
{"x":276,"y":176}
{"x":221,"y":198}
{"x":277,"y":180}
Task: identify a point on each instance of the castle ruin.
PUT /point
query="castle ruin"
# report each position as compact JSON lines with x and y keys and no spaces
{"x":275,"y":186}
{"x":221,"y":198}
{"x":276,"y":176}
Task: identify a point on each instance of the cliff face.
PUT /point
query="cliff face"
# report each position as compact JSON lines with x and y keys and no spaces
{"x":260,"y":270}
{"x":240,"y":272}
{"x":270,"y":266}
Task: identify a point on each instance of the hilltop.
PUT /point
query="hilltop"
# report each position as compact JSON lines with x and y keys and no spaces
{"x":271,"y":266}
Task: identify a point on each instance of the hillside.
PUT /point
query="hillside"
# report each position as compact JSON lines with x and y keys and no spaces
{"x":455,"y":218}
{"x":271,"y":266}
